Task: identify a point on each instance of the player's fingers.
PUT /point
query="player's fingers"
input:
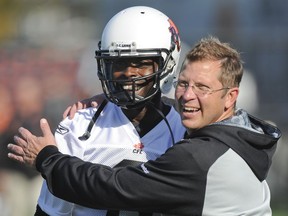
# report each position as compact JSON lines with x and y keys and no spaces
{"x":96,"y":100}
{"x":16,"y":157}
{"x":45,"y":127}
{"x":66,"y":112}
{"x":81,"y":104}
{"x":48,"y":136}
{"x":15,"y":149}
{"x":21,"y":141}
{"x":24,"y":133}
{"x":71,"y":110}
{"x":78,"y":105}
{"x":94,"y":104}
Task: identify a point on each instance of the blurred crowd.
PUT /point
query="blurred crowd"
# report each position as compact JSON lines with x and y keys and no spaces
{"x":34,"y":83}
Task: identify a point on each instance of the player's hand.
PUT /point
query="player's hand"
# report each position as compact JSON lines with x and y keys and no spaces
{"x":89,"y":102}
{"x":27,"y":146}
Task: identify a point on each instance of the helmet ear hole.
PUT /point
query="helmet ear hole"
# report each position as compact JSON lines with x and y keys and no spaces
{"x":166,"y":82}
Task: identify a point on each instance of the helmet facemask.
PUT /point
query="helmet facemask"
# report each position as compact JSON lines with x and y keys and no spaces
{"x":124,"y":91}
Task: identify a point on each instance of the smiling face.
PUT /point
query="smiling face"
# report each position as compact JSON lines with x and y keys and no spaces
{"x":138,"y":70}
{"x":130,"y":81}
{"x":198,"y":111}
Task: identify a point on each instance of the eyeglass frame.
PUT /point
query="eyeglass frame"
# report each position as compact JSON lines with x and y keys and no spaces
{"x":202,"y":92}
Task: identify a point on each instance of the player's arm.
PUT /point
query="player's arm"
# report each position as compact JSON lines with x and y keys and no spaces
{"x":156,"y":186}
{"x":95,"y":101}
{"x":167,"y":185}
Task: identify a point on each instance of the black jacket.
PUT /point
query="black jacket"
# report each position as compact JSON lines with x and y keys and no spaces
{"x":220,"y":169}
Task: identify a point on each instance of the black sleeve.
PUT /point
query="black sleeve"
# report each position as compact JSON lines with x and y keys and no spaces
{"x":40,"y":212}
{"x":173,"y":184}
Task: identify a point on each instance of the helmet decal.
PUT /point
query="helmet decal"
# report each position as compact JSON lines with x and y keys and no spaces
{"x":174,"y":34}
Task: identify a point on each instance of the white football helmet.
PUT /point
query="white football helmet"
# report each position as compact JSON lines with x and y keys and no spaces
{"x":140,"y":32}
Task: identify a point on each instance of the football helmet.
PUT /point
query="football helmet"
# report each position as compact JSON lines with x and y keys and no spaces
{"x":138,"y":32}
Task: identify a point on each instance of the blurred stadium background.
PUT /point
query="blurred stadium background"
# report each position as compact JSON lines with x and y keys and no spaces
{"x":47,"y":63}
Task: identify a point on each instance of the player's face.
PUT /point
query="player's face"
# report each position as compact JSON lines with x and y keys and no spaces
{"x":126,"y":69}
{"x":198,"y":110}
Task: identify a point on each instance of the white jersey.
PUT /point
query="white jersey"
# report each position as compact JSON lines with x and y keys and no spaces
{"x":114,"y":141}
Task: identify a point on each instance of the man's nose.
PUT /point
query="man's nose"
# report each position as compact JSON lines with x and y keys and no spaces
{"x":189,"y":93}
{"x":130,"y":71}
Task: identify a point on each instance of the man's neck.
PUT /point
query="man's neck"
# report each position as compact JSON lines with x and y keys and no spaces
{"x":146,"y":117}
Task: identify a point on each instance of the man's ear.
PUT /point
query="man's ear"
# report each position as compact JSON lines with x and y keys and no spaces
{"x":231,"y":97}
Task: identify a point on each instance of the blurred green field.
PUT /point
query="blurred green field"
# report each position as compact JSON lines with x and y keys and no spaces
{"x":278,"y":212}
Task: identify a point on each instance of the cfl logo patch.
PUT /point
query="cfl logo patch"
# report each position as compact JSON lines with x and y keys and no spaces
{"x":138,"y":148}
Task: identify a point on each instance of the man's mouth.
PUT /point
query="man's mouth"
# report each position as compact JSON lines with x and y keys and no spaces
{"x":190,"y":109}
{"x":130,"y":87}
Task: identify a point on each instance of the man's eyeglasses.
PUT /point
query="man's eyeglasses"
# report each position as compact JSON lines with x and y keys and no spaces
{"x":198,"y":89}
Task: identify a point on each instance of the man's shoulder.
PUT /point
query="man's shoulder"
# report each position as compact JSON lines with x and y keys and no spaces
{"x":168,"y":101}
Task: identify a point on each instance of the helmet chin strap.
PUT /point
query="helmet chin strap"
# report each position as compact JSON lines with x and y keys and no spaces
{"x":87,"y":133}
{"x":151,"y":104}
